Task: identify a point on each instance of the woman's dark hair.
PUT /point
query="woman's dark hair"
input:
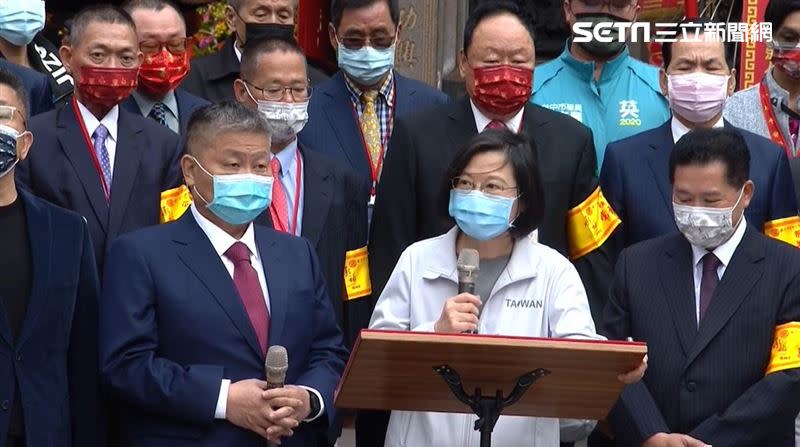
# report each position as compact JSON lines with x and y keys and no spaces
{"x":521,"y":154}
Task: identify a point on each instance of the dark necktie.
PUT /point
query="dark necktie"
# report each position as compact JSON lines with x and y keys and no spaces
{"x":496,"y":125}
{"x":709,"y":282}
{"x":245,"y":279}
{"x":159,"y":113}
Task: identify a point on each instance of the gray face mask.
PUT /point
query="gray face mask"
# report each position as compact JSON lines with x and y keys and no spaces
{"x":595,"y":47}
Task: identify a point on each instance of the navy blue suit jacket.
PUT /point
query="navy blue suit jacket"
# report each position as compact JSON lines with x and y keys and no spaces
{"x":172,"y":326}
{"x":333,"y":127}
{"x":40,"y":96}
{"x":707,"y":381}
{"x":55,"y":360}
{"x":635,"y":180}
{"x":187,"y":104}
{"x":59,"y":169}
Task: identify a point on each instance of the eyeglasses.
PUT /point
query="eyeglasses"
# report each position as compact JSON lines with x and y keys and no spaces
{"x":612,"y":4}
{"x":275,"y":93}
{"x":177,"y":46}
{"x":356,"y":43}
{"x":7,"y":115}
{"x":495,"y":187}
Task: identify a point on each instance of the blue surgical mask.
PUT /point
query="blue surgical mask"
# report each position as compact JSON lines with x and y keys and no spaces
{"x":238,"y":198}
{"x":365,"y":65}
{"x":481,"y":216}
{"x":21,"y":20}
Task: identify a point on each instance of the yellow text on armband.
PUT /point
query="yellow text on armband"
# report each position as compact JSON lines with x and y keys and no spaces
{"x":785,"y":348}
{"x":174,"y":202}
{"x":786,"y":230}
{"x":590,"y":224}
{"x":356,"y":274}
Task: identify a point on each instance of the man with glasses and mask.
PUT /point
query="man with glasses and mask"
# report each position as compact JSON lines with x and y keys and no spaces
{"x":353,"y":113}
{"x":599,"y":83}
{"x":161,"y":30}
{"x":48,"y":301}
{"x":212,"y":76}
{"x":719,"y":307}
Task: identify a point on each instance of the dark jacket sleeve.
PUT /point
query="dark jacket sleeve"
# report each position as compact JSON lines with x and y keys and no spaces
{"x":612,"y":183}
{"x":636,"y":416}
{"x":88,"y":417}
{"x":41,"y":97}
{"x":357,"y":312}
{"x":173,"y":175}
{"x":783,"y":202}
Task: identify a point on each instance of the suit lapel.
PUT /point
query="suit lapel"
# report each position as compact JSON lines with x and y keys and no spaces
{"x":740,"y":276}
{"x":658,"y":161}
{"x":340,"y":113}
{"x":41,"y":240}
{"x":197,"y":253}
{"x":275,"y":274}
{"x":316,"y":197}
{"x":464,"y":128}
{"x":70,"y":137}
{"x":677,"y":282}
{"x":183,"y":113}
{"x":126,"y":165}
{"x":404,"y":93}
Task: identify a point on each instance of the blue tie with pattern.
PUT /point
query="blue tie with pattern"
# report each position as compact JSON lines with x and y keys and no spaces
{"x":159,"y":113}
{"x":99,"y":139}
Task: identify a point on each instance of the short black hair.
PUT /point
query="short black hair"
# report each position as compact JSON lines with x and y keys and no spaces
{"x":109,"y":14}
{"x":521,"y":154}
{"x":692,"y":26}
{"x":11,"y":81}
{"x":254,"y":50}
{"x":338,"y":7}
{"x":152,"y":5}
{"x":704,"y":146}
{"x":491,"y":9}
{"x":217,"y":118}
{"x":778,"y":10}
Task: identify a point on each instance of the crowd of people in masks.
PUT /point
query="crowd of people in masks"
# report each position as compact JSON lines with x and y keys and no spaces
{"x":167,"y":219}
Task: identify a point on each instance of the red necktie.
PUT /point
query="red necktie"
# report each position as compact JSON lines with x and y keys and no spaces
{"x":709,"y":281}
{"x":278,"y":209}
{"x":496,"y":125}
{"x":245,"y":279}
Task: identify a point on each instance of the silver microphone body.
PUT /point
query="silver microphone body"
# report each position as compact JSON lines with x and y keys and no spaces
{"x":275,"y":367}
{"x":468,"y":267}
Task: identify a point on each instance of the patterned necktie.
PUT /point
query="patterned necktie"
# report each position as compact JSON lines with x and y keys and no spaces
{"x":278,"y":209}
{"x":159,"y":113}
{"x":245,"y":279}
{"x":370,"y":127}
{"x":101,"y":151}
{"x":709,"y":282}
{"x":496,"y":125}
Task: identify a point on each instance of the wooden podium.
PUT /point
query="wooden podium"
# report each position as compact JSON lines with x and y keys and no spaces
{"x":416,"y":371}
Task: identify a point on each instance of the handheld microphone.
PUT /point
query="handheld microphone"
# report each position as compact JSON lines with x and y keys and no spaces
{"x":275,"y":366}
{"x":468,"y":267}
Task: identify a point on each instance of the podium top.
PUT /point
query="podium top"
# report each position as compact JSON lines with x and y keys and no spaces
{"x":391,"y":370}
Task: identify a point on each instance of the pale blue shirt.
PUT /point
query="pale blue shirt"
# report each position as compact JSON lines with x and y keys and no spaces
{"x":170,"y":101}
{"x":288,"y":178}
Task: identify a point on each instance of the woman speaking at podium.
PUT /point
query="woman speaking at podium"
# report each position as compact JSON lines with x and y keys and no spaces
{"x":493,"y":191}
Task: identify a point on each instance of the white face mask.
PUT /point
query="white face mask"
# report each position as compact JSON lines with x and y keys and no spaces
{"x":285,"y":119}
{"x":706,"y":227}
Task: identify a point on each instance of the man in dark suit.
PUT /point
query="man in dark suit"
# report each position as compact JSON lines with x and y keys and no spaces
{"x":635,"y":177}
{"x":89,"y":156}
{"x":794,"y":165}
{"x":161,"y":30}
{"x":719,"y":309}
{"x":328,"y":200}
{"x":497,"y":63}
{"x":353,"y":113}
{"x":212,"y":76}
{"x":48,"y":305}
{"x":40,"y":96}
{"x":184,"y":349}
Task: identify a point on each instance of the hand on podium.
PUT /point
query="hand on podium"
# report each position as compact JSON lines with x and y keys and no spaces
{"x":459,"y":314}
{"x":673,"y":440}
{"x":635,"y":375}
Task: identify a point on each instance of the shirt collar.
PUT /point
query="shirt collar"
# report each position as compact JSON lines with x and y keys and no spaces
{"x":288,"y":158}
{"x":146,"y":104}
{"x":585,"y":69}
{"x":481,"y":120}
{"x":725,"y":251}
{"x":679,"y":130}
{"x":386,"y":89}
{"x":222,"y":241}
{"x":777,"y":94}
{"x":109,"y":121}
{"x":237,"y":51}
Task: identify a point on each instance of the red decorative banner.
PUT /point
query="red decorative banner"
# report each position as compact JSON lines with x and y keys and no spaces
{"x":755,"y":61}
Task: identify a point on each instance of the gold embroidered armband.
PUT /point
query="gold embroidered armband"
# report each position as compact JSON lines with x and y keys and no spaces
{"x":590,"y":224}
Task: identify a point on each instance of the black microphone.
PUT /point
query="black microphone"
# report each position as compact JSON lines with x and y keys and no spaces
{"x":276,"y":365}
{"x":468,"y":267}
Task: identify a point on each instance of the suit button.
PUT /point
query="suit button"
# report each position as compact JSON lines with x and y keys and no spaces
{"x":691,"y":386}
{"x":5,"y":405}
{"x":19,"y":357}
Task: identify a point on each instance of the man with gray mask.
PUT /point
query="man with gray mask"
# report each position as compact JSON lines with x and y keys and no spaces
{"x":599,"y":83}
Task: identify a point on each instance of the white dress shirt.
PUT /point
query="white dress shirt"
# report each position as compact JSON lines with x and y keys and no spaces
{"x":724,"y":253}
{"x":110,"y":121}
{"x":222,"y":241}
{"x":481,"y":121}
{"x":679,"y":130}
{"x":237,"y":51}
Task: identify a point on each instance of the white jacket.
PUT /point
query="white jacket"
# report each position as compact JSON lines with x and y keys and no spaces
{"x":539,"y":294}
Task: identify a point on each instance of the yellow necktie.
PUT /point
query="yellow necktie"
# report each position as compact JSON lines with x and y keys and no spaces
{"x":370,"y":127}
